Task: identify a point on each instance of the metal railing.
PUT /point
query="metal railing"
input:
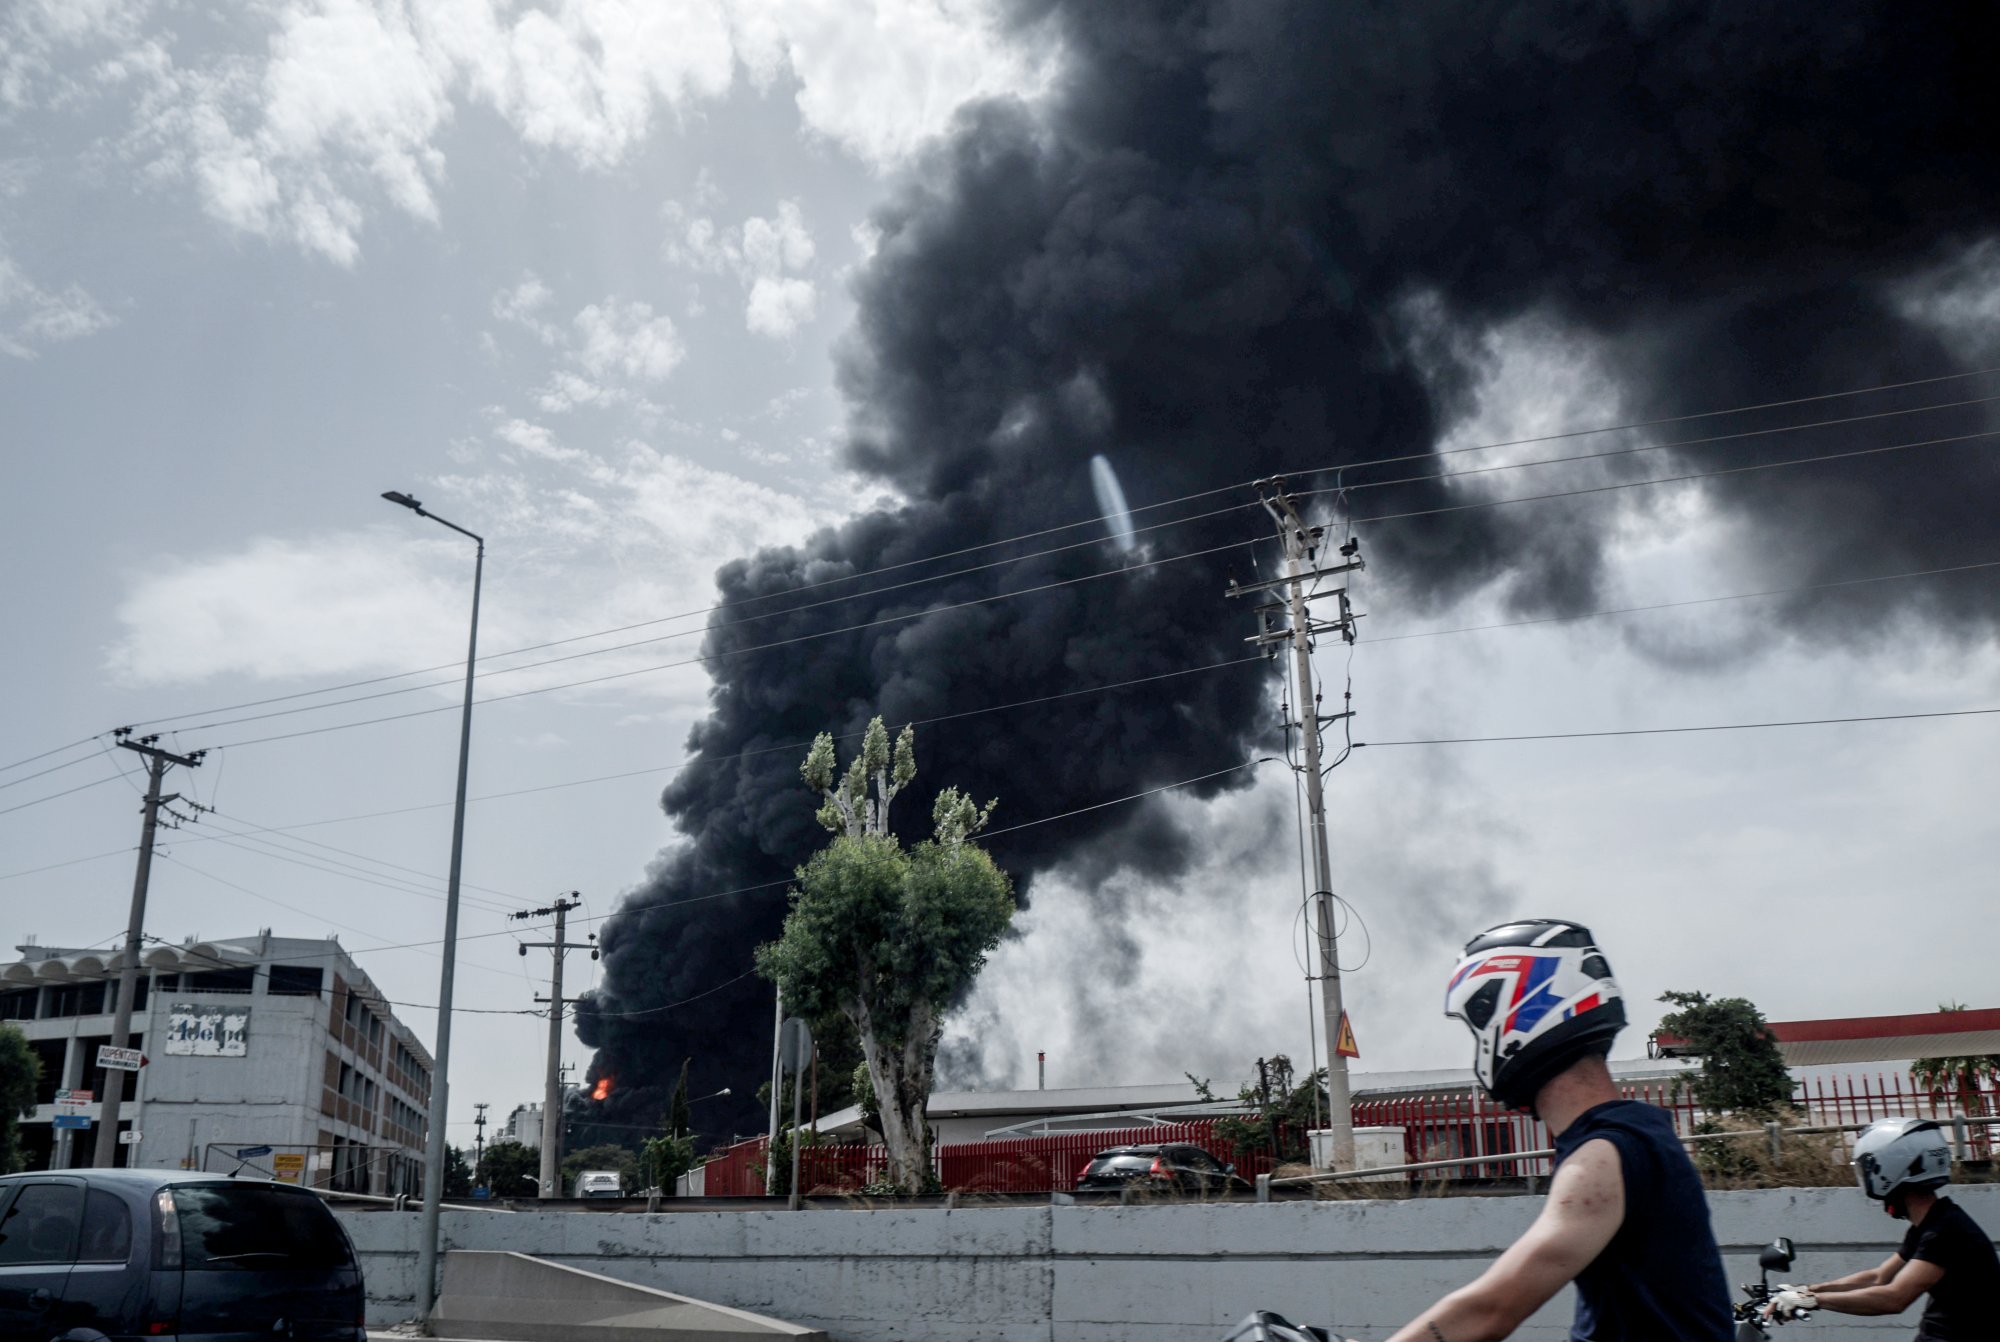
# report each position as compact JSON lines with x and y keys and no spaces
{"x":1774,"y":1133}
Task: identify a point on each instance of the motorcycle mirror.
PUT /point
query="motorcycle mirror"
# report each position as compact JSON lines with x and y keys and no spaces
{"x":1776,"y":1256}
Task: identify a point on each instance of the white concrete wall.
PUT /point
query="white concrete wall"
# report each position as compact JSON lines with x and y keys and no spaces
{"x":1172,"y":1273}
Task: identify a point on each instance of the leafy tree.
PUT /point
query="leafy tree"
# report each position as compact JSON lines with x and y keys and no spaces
{"x":1959,"y":1079}
{"x":1742,"y":1071}
{"x":605,"y":1157}
{"x":889,"y":936}
{"x":457,"y":1174}
{"x":664,"y":1159}
{"x":512,"y":1170}
{"x":1279,"y":1112}
{"x":20,"y":1073}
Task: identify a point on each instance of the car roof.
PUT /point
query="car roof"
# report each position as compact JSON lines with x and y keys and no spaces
{"x":139,"y":1180}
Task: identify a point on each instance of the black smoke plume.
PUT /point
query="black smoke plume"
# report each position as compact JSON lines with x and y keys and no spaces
{"x":1254,"y":237}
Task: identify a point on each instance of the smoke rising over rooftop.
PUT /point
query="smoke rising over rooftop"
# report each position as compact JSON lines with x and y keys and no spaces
{"x":1244,"y":239}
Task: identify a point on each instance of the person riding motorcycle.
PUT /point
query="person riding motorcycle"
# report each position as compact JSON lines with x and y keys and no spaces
{"x":1625,"y":1217}
{"x":1902,"y":1163}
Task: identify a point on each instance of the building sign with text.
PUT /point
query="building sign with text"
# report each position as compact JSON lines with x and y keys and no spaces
{"x":207,"y":1030}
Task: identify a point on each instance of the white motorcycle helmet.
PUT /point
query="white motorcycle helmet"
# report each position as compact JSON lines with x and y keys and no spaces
{"x":1901,"y":1155}
{"x":1537,"y":995}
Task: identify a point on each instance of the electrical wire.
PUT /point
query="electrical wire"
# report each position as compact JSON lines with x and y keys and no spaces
{"x":1673,"y":731}
{"x":81,"y":787}
{"x":1691,"y":601}
{"x":1092,"y":521}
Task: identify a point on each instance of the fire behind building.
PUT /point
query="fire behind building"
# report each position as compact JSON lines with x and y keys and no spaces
{"x":274,"y":1053}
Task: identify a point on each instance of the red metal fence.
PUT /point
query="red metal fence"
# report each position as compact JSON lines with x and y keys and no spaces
{"x":1440,"y":1126}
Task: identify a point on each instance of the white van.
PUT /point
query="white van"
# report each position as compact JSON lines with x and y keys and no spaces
{"x":600,"y":1184}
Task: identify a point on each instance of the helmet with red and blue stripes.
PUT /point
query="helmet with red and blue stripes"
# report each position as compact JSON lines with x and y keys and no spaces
{"x":1537,"y":995}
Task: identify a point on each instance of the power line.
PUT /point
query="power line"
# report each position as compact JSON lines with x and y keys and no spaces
{"x":1672,"y":731}
{"x":1691,"y":601}
{"x":43,"y":773}
{"x":4,"y":768}
{"x":1663,"y":480}
{"x":1038,"y":554}
{"x":81,"y":787}
{"x":1185,"y":498}
{"x":733,"y":652}
{"x":1066,"y":582}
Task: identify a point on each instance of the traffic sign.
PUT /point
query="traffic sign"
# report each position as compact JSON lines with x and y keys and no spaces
{"x":75,"y":1096}
{"x":1344,"y":1045}
{"x":72,"y":1120}
{"x":129,"y":1137}
{"x":252,"y":1152}
{"x":119,"y":1059}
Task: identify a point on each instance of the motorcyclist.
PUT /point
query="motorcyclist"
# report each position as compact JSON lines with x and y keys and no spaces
{"x":1625,"y":1217}
{"x":1902,"y":1162}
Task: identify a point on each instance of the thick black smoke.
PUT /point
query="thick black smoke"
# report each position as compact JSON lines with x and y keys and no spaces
{"x":1258,"y":237}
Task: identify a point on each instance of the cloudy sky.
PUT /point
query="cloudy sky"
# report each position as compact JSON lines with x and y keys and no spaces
{"x":575,"y":276}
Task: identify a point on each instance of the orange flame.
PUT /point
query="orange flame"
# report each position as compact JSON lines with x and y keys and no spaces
{"x":603,"y":1088}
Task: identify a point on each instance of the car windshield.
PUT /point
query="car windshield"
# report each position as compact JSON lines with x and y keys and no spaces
{"x":254,"y":1227}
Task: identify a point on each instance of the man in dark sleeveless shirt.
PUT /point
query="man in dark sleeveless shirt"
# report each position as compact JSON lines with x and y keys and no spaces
{"x":1902,"y":1163}
{"x":1625,"y":1219}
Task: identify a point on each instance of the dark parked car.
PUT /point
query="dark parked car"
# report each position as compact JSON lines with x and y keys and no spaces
{"x":87,"y":1255}
{"x":1170,"y":1167}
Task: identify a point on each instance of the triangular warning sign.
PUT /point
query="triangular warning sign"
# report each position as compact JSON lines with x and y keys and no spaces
{"x":1345,"y":1045}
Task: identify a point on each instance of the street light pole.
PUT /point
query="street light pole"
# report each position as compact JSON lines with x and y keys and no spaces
{"x":427,"y":1244}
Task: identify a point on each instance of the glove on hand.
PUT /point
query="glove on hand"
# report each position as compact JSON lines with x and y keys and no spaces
{"x":1791,"y":1302}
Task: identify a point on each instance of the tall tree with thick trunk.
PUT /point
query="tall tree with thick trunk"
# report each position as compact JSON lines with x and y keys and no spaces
{"x":889,"y":936}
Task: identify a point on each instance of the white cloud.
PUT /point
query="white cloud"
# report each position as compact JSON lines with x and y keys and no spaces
{"x":764,"y":254}
{"x":32,"y":317}
{"x":626,"y":339}
{"x":328,"y":108}
{"x":277,"y":608}
{"x":523,"y":306}
{"x":577,"y":541}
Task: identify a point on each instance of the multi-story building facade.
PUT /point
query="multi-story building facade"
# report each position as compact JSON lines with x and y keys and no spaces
{"x":254,"y":1042}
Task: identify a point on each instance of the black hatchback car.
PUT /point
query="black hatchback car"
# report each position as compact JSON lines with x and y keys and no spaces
{"x":1170,"y":1167}
{"x":89,"y":1255}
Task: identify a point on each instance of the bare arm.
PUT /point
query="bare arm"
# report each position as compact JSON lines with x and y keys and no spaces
{"x":1585,"y":1208}
{"x":1867,"y":1276}
{"x":1893,"y":1296}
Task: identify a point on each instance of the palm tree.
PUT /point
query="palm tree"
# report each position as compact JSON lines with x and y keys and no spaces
{"x":1961,"y":1079}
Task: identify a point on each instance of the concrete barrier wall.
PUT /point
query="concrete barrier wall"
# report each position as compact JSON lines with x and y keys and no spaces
{"x":1163,"y":1273}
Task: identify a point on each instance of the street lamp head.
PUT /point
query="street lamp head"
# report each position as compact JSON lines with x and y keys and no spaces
{"x":398,"y":496}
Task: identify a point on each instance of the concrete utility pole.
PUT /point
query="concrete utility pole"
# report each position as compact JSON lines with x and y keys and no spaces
{"x":158,"y":761}
{"x":1302,"y":544}
{"x":552,"y":1091}
{"x":478,"y":1142}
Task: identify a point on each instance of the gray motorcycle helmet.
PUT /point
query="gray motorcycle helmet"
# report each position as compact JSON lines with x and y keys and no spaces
{"x":1904,"y":1155}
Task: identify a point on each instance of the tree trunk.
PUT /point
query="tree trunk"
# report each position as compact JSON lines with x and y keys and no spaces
{"x":902,"y":1082}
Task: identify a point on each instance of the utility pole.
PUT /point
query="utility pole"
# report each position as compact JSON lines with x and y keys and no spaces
{"x":478,"y":1143}
{"x":1302,"y":545}
{"x":552,"y":1096}
{"x":158,"y":761}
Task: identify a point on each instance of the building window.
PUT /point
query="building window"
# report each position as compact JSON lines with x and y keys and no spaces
{"x":18,"y":1003}
{"x":76,"y":999}
{"x":295,"y":980}
{"x":220,"y":981}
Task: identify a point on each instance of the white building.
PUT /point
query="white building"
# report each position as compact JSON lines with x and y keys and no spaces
{"x":253,"y":1042}
{"x":524,"y":1125}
